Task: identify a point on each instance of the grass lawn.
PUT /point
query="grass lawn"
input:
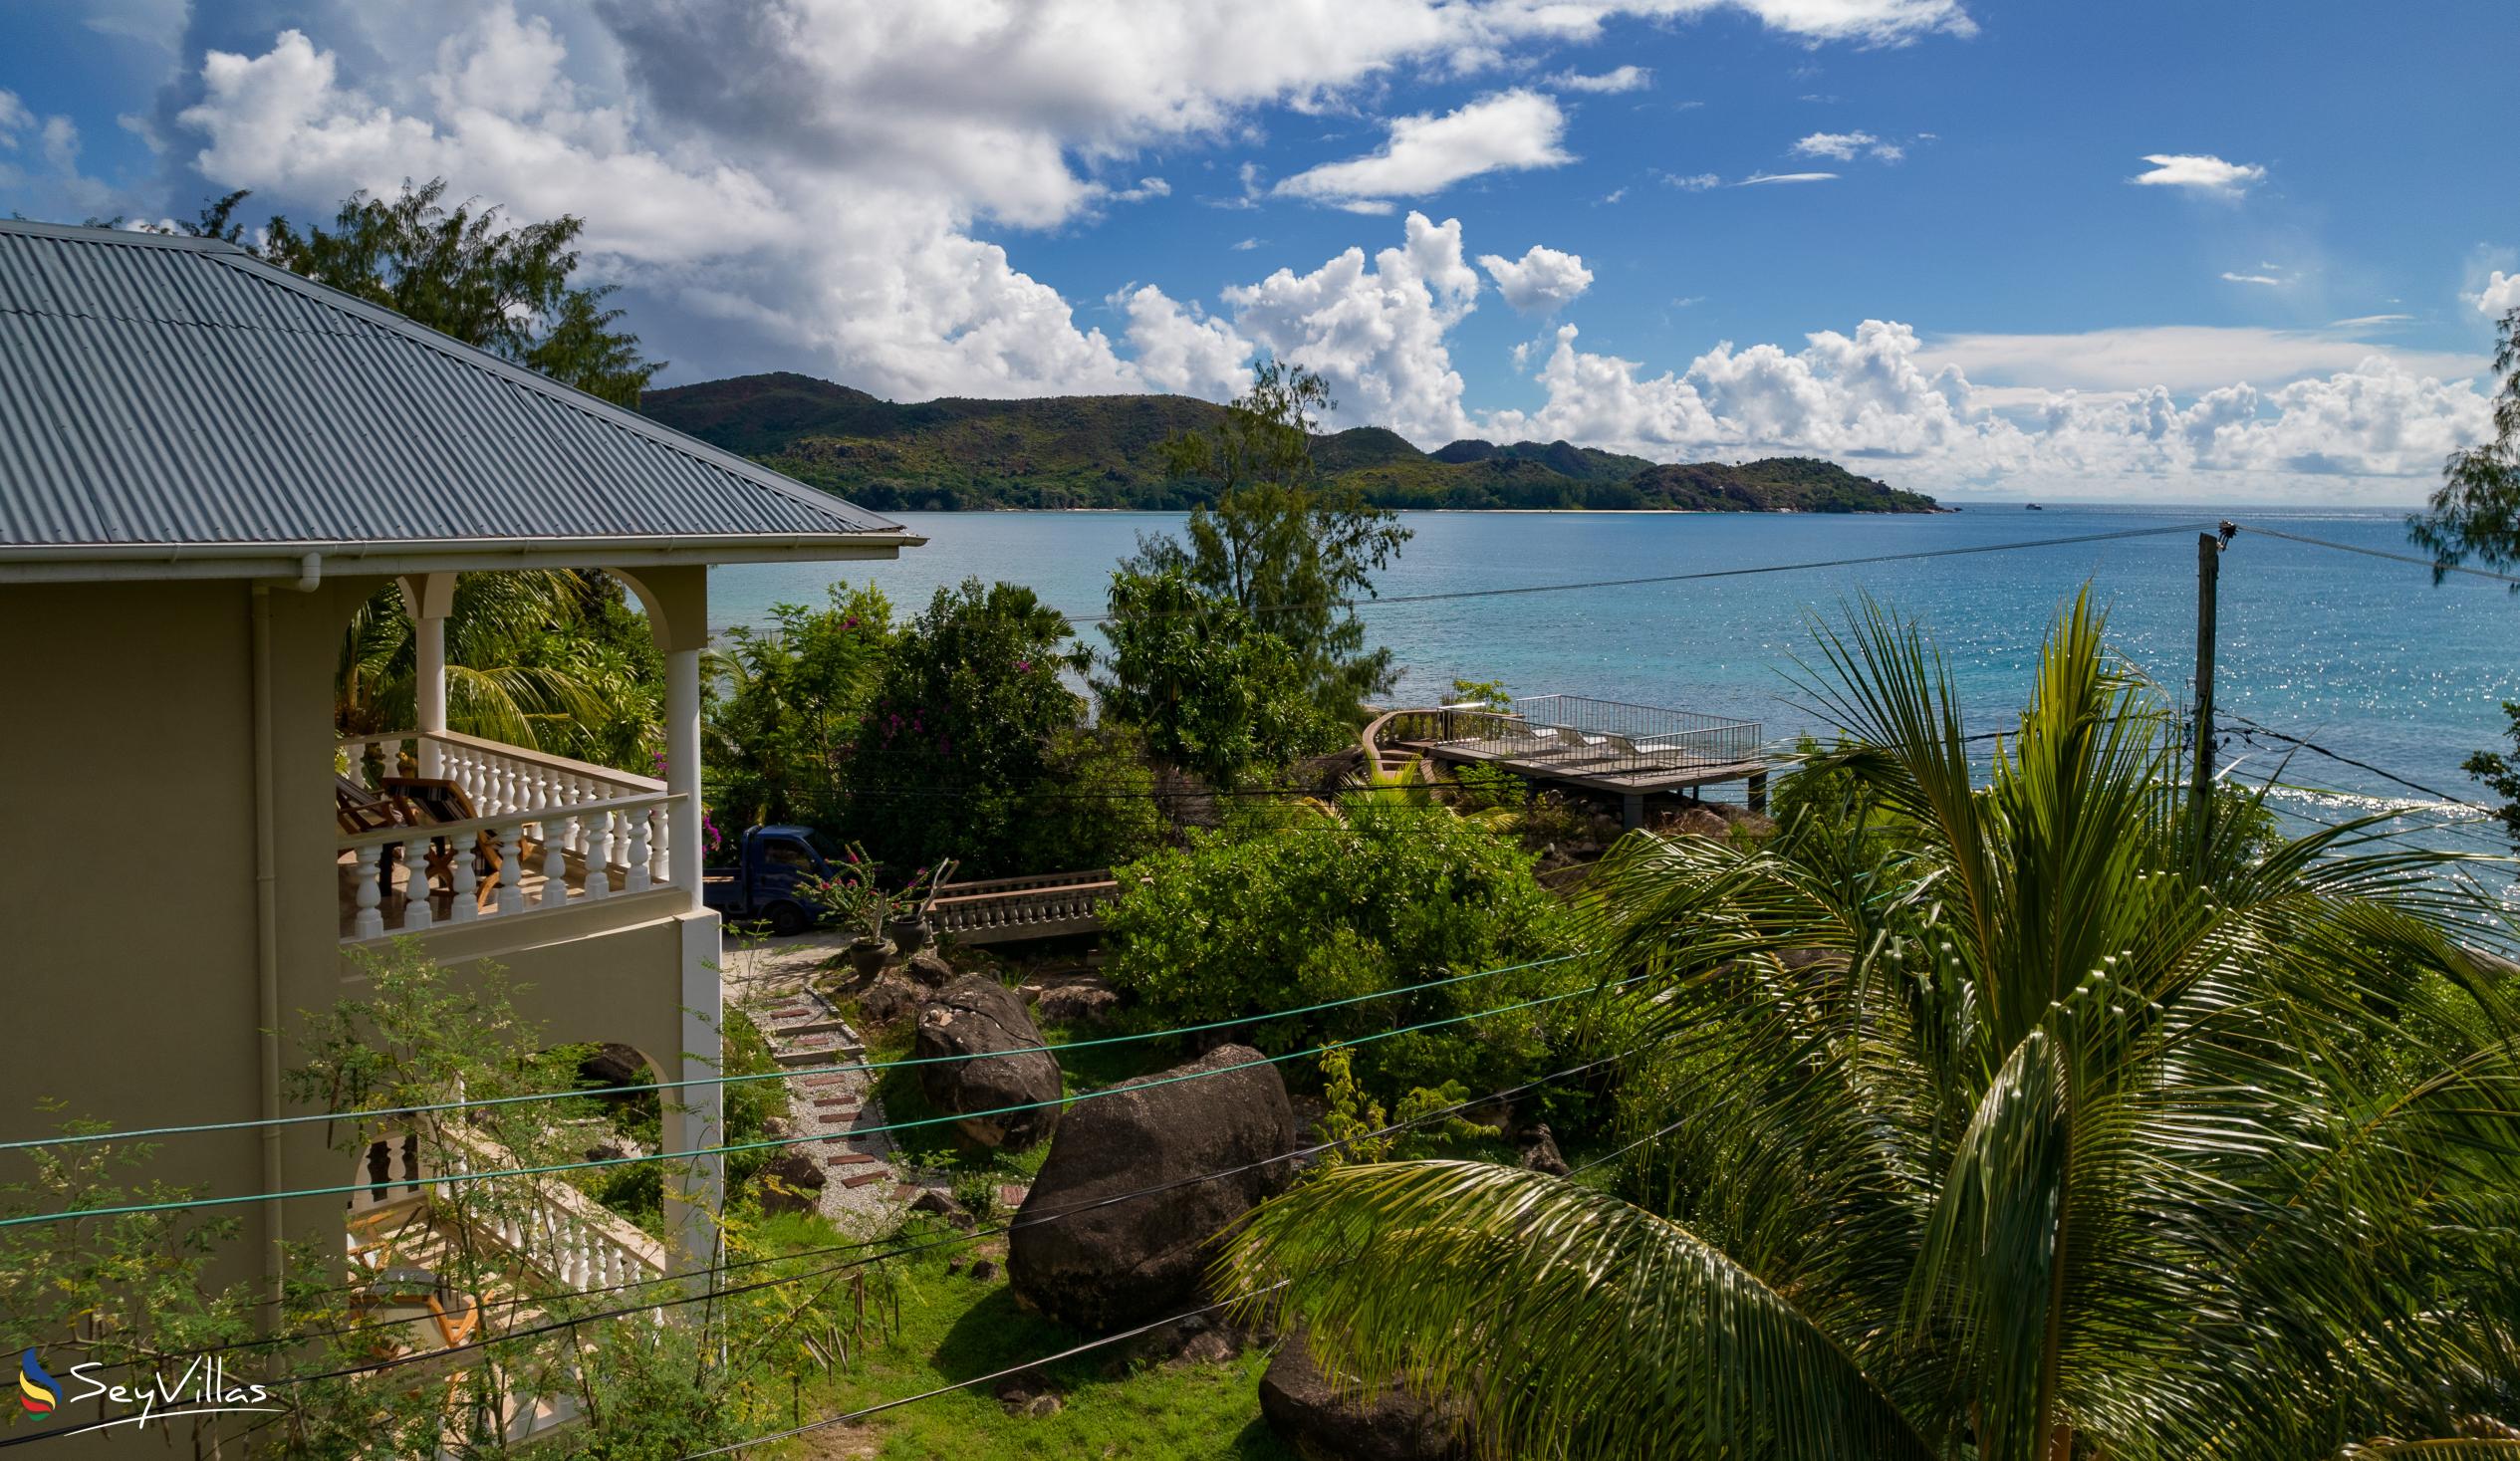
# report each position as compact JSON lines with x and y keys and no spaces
{"x":954,"y":1327}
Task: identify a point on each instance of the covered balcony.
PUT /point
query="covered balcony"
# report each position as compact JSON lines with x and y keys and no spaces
{"x":440,"y":828}
{"x":436,"y":827}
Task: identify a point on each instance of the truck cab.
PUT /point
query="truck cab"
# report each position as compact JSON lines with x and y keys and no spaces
{"x":767,"y":880}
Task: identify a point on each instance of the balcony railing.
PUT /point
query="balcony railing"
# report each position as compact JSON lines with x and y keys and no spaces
{"x":452,"y":829}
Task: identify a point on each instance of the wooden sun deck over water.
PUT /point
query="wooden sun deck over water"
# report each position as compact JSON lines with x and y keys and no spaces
{"x":1631,"y":751}
{"x":1596,"y":769}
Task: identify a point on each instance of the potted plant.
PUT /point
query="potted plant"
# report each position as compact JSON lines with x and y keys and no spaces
{"x":854,"y":897}
{"x":908,"y":926}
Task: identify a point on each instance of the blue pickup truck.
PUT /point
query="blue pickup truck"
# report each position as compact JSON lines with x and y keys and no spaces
{"x":765,"y":881}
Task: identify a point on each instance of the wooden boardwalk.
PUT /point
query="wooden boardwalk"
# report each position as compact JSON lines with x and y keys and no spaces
{"x":1630,"y":751}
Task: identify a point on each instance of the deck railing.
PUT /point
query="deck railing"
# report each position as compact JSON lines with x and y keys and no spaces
{"x":996,"y":910}
{"x":1601,"y":736}
{"x":569,"y":830}
{"x":548,"y":1239}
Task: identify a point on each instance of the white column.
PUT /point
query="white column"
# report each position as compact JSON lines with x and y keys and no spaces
{"x":695,"y":1191}
{"x":682,"y":768}
{"x":428,"y":599}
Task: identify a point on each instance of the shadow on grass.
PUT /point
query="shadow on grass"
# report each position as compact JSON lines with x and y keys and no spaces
{"x":997,"y":1333}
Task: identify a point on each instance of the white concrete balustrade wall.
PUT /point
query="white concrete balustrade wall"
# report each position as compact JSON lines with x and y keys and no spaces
{"x":590,"y":832}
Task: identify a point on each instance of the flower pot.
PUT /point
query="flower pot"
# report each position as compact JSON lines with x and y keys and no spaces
{"x":869,"y":955}
{"x":909,"y":933}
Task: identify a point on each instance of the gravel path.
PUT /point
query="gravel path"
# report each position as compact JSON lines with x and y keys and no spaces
{"x":771,"y":980}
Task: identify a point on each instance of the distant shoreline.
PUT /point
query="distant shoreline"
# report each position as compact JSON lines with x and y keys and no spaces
{"x":1493,"y":512}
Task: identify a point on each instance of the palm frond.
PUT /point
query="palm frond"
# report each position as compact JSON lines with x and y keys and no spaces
{"x":1571,"y":1324}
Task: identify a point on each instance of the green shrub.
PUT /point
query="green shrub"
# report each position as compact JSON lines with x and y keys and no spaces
{"x":1394,"y":895}
{"x":979,"y":1193}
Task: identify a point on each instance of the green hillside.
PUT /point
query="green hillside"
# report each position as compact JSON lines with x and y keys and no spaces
{"x":1100,"y":451}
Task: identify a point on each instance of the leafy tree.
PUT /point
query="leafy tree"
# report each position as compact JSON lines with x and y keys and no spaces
{"x":1280,"y":543}
{"x":1388,"y":894}
{"x":785,"y":704}
{"x":1097,"y":804}
{"x":955,"y":748}
{"x":132,"y":1292}
{"x":2043,"y":1141}
{"x":2475,"y":514}
{"x":2501,"y":774}
{"x":469,"y":272}
{"x":706,"y":1377}
{"x":1215,"y":693}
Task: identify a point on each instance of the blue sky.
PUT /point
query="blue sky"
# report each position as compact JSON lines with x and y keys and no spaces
{"x":1109,"y":195}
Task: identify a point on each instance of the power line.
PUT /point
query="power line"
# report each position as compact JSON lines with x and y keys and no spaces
{"x":946,"y":1390}
{"x":768,"y":1143}
{"x":2388,"y":775}
{"x":2437,"y":566}
{"x":790,"y":1074}
{"x":957,"y":1240}
{"x":1704,"y":574}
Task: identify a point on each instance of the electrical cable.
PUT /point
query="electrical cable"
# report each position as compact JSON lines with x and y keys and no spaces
{"x":187,"y":1204}
{"x":1298,"y":1154}
{"x":2437,"y":566}
{"x":2254,"y":727}
{"x":1068,"y":1353}
{"x":790,"y":1074}
{"x":1703,"y":573}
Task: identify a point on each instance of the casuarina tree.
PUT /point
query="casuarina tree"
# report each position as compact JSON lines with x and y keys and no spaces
{"x":1289,"y":550}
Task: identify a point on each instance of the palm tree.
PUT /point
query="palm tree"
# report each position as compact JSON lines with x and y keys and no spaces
{"x":2021,"y":1122}
{"x":543,"y":658}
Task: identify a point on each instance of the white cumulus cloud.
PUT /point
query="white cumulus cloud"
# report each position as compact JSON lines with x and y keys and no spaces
{"x":1878,"y":394}
{"x":1426,"y":154}
{"x":2199,"y":173}
{"x":1622,"y":79}
{"x":1542,"y":282}
{"x":2500,"y":295}
{"x":810,"y":183}
{"x":1374,"y":329}
{"x":848,"y":189}
{"x":1842,"y":146}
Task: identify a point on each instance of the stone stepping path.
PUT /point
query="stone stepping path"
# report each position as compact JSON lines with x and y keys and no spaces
{"x":772,"y":983}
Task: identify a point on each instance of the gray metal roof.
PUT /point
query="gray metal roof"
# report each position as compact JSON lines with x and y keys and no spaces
{"x":183,"y":395}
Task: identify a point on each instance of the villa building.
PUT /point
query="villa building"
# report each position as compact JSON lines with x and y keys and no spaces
{"x":207,"y":465}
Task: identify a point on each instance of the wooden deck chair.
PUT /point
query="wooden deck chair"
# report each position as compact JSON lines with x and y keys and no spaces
{"x":427,"y":800}
{"x":360,"y":810}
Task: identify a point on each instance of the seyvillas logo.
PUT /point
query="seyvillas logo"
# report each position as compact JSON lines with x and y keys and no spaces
{"x":39,"y":1393}
{"x":201,"y":1389}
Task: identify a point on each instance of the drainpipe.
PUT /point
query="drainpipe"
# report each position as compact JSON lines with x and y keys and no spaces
{"x":267,"y":937}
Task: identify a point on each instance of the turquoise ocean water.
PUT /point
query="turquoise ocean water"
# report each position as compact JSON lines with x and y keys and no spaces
{"x":2364,"y":656}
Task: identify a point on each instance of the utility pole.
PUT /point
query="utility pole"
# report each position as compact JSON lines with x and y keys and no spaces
{"x":2201,"y":788}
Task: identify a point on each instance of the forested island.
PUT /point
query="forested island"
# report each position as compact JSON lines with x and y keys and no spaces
{"x":1101,"y":451}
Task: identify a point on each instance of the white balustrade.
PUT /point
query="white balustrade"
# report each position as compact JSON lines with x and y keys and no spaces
{"x":607,"y":834}
{"x":637,"y":880}
{"x":598,"y":855}
{"x":462,"y":908}
{"x":370,"y":922}
{"x":555,"y":839}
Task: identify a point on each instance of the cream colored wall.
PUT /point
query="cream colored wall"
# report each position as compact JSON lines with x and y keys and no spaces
{"x":128,"y":931}
{"x":126,"y":913}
